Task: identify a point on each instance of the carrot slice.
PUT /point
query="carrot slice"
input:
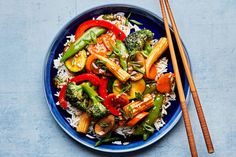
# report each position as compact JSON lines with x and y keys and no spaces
{"x":137,"y":118}
{"x":165,"y":83}
{"x":152,"y":72}
{"x":108,"y":41}
{"x":97,"y":48}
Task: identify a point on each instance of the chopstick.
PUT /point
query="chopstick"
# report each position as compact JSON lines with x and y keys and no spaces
{"x":193,"y":89}
{"x":186,"y":118}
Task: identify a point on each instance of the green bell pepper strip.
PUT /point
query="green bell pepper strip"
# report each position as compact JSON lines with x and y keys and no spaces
{"x":149,"y":121}
{"x":81,"y":42}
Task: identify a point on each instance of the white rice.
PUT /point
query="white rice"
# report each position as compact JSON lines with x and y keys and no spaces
{"x":117,"y":142}
{"x":75,"y":115}
{"x":124,"y":131}
{"x":90,"y":136}
{"x":160,"y":122}
{"x":70,"y":39}
{"x":57,"y":63}
{"x":162,"y":65}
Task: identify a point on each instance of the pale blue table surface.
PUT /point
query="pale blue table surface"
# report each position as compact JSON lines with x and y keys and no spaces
{"x":27,"y":128}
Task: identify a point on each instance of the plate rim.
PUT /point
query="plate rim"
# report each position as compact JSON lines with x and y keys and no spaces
{"x":163,"y":133}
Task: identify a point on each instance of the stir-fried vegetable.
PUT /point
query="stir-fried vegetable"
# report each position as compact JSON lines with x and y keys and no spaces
{"x":152,"y":72}
{"x":77,"y":79}
{"x":146,"y":128}
{"x":94,"y":79}
{"x":103,"y":88}
{"x":166,"y":84}
{"x":81,"y":42}
{"x":77,"y":62}
{"x":137,"y":118}
{"x":62,"y":97}
{"x":96,"y":109}
{"x":135,"y":22}
{"x":114,"y":101}
{"x":135,"y":107}
{"x":84,"y":123}
{"x":122,"y":52}
{"x":74,"y":94}
{"x":104,"y":125}
{"x":101,"y":23}
{"x":147,"y":49}
{"x":89,"y":62}
{"x":103,"y":44}
{"x":137,"y":40}
{"x":114,"y":81}
{"x":130,"y":89}
{"x":106,"y":139}
{"x":122,"y":75}
{"x":156,"y":52}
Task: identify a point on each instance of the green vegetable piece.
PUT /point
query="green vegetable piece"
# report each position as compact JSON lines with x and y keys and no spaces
{"x":135,"y":22}
{"x":139,"y":96}
{"x":150,"y":88}
{"x":145,"y":136}
{"x":106,"y":140}
{"x":147,"y":50}
{"x":93,"y":36}
{"x":74,"y":94}
{"x":81,"y":42}
{"x":125,"y":87}
{"x":137,"y":40}
{"x":155,"y":111}
{"x":127,"y":19}
{"x":103,"y":124}
{"x":138,"y":69}
{"x":96,"y":109}
{"x":109,"y":17}
{"x":146,"y":128}
{"x":77,"y":62}
{"x":123,"y":54}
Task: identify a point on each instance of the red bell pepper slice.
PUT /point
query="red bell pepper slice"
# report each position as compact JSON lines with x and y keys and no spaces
{"x":103,"y":88}
{"x":95,"y":80}
{"x":120,"y":35}
{"x":108,"y":104}
{"x":61,"y":99}
{"x":113,"y":101}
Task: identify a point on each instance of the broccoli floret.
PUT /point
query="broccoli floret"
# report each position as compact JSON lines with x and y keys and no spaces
{"x":137,"y":40}
{"x":74,"y":94}
{"x":96,"y":108}
{"x":78,"y":96}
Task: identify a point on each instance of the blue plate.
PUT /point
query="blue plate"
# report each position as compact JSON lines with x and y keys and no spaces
{"x":150,"y":21}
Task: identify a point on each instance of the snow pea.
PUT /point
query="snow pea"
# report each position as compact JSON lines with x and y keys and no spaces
{"x":81,"y":42}
{"x":146,"y":127}
{"x":122,"y":52}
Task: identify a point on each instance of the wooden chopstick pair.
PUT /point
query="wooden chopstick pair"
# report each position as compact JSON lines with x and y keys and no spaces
{"x":193,"y":89}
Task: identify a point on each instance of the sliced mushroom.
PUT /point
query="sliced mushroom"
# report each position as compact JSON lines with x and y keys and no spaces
{"x":104,"y":125}
{"x":135,"y":76}
{"x":96,"y":70}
